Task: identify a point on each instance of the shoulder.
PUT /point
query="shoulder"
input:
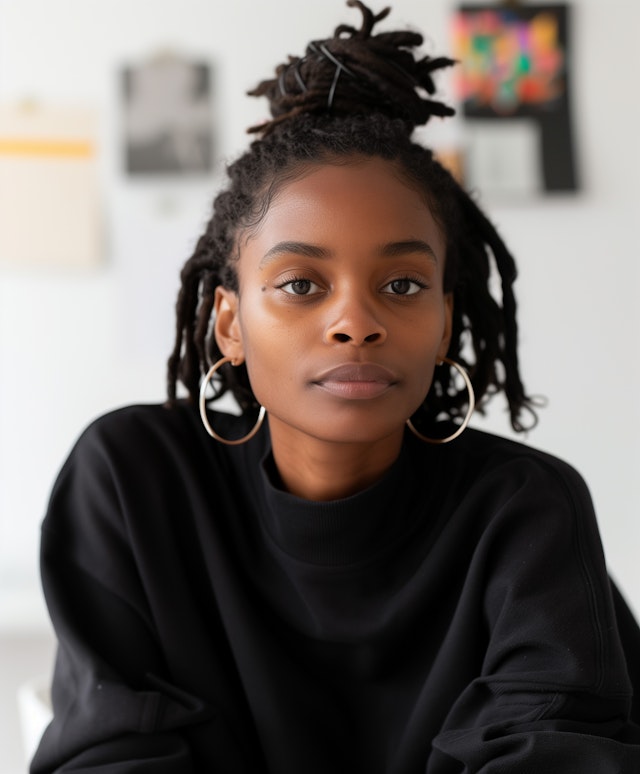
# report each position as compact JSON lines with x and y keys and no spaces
{"x":492,"y":485}
{"x":159,"y":425}
{"x":131,"y":444}
{"x":527,"y":500}
{"x":137,"y":463}
{"x":149,"y":447}
{"x":139,"y":434}
{"x":515,"y":464}
{"x":537,"y":548}
{"x":136,"y":423}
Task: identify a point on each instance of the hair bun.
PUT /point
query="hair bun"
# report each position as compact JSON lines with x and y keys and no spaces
{"x":355,"y":72}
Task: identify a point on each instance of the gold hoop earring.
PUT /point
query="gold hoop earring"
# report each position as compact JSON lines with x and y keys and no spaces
{"x":465,"y":421}
{"x":203,"y":408}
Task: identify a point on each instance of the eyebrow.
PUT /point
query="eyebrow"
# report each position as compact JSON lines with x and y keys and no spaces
{"x":408,"y":246}
{"x":390,"y":250}
{"x":299,"y":248}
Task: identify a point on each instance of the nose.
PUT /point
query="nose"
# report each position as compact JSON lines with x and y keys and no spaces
{"x":353,"y":321}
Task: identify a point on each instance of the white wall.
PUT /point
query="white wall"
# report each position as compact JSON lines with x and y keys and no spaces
{"x":76,"y":343}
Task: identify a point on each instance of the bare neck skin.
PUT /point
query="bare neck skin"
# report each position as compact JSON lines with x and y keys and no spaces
{"x":321,"y":471}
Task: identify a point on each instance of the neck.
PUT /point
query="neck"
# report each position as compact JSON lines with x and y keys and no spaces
{"x":320,"y":470}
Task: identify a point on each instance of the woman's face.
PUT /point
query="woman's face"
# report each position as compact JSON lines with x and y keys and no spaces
{"x":341,"y":314}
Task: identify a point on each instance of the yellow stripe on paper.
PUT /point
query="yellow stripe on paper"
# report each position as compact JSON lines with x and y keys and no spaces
{"x":78,"y":149}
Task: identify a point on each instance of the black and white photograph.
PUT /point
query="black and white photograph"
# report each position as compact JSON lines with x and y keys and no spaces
{"x":167,"y":117}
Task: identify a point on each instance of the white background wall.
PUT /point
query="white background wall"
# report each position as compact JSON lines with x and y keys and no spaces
{"x":76,"y":343}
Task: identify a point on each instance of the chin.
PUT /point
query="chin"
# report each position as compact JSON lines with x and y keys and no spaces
{"x":362,"y":432}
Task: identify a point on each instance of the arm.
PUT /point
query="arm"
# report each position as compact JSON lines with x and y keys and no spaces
{"x":114,"y":709}
{"x":553,"y":693}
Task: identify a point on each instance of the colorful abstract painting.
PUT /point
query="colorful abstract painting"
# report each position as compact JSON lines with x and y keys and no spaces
{"x":514,"y":64}
{"x":508,"y":60}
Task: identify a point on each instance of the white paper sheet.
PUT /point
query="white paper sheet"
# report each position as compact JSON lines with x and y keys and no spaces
{"x":49,"y":211}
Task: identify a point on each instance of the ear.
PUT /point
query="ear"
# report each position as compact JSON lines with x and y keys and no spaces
{"x":448,"y":325}
{"x":227,"y":326}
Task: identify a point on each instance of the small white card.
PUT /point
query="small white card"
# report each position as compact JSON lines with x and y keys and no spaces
{"x":504,"y":158}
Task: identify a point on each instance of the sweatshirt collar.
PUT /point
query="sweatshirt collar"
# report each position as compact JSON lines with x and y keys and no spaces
{"x":349,"y":530}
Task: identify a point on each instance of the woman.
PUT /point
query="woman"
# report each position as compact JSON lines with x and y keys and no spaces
{"x":353,"y":583}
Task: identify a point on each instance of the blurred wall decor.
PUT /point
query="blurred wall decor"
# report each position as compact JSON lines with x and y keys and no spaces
{"x":513,"y":84}
{"x":48,"y":167}
{"x":167,"y":116}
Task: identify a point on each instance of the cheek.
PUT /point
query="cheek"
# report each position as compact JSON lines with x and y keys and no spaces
{"x":271,"y":352}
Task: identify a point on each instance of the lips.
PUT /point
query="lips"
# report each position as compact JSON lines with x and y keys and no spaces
{"x":356,"y":381}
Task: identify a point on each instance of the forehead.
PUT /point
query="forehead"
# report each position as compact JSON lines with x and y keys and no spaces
{"x":357,"y":200}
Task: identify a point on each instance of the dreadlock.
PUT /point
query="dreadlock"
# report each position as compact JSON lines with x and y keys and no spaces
{"x":357,"y":94}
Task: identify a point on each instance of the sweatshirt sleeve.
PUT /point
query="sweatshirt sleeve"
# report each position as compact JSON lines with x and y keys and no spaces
{"x":115,"y":711}
{"x":554,"y":692}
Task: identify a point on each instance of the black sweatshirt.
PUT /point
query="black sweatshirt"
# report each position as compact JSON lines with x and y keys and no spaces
{"x":455,"y":617}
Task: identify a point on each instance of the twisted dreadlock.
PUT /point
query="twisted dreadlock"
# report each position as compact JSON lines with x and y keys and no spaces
{"x":357,"y":94}
{"x":383,"y":76}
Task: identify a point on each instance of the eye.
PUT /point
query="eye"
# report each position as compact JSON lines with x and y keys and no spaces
{"x":299,"y":287}
{"x":404,"y":286}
